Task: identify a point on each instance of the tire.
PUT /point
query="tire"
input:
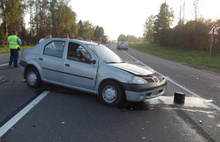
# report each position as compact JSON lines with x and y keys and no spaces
{"x":32,"y":77}
{"x":111,"y":93}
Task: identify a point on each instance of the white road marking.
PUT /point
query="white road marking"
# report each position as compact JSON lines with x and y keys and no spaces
{"x":3,"y":65}
{"x":20,"y":114}
{"x":177,"y":84}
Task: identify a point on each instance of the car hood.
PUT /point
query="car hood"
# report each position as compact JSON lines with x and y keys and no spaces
{"x":134,"y":69}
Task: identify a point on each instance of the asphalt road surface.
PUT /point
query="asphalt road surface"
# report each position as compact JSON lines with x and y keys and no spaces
{"x":55,"y":114}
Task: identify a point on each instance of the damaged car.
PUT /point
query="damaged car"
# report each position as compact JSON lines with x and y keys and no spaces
{"x":89,"y":67}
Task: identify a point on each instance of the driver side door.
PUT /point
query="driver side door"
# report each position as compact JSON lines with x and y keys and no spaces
{"x":78,"y":73}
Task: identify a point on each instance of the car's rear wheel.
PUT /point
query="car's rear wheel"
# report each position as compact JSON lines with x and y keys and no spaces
{"x":32,"y":77}
{"x":111,"y":93}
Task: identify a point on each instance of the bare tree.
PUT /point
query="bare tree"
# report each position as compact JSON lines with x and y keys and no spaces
{"x":149,"y":29}
{"x":196,"y":8}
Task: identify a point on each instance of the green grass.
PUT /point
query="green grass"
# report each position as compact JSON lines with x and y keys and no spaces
{"x":193,"y":58}
{"x":7,"y":50}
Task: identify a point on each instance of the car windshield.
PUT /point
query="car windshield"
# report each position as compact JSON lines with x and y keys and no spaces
{"x":123,"y":43}
{"x":105,"y":54}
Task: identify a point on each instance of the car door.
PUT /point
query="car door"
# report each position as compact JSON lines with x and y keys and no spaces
{"x":79,"y":74}
{"x":51,"y":61}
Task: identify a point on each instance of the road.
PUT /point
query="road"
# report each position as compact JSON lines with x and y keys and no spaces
{"x":69,"y":115}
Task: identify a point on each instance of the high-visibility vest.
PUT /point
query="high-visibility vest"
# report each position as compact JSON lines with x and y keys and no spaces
{"x":13,"y":42}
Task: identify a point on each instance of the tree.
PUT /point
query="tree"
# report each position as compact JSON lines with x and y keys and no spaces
{"x":129,"y":38}
{"x":121,"y":37}
{"x":149,"y":29}
{"x":162,"y":24}
{"x":196,"y":6}
{"x":51,"y":16}
{"x":86,"y":30}
{"x":11,"y":13}
{"x":65,"y":23}
{"x":46,"y":16}
{"x":2,"y":37}
{"x":195,"y":34}
{"x":98,"y":33}
{"x":80,"y":29}
{"x":41,"y":20}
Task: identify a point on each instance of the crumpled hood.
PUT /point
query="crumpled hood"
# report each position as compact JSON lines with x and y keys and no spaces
{"x":134,"y":69}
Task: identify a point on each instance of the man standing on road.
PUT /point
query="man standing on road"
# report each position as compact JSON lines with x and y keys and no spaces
{"x":46,"y":37}
{"x":66,"y":35}
{"x":14,"y":41}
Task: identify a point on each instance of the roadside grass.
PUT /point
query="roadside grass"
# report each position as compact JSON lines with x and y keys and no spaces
{"x":7,"y":50}
{"x":193,"y":58}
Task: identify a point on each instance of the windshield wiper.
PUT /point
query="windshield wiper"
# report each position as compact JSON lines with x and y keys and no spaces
{"x":111,"y":62}
{"x":114,"y":62}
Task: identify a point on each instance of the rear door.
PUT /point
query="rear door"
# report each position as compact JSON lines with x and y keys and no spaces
{"x":78,"y":73}
{"x":51,"y":61}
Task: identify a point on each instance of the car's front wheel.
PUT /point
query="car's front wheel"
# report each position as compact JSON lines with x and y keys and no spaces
{"x":111,"y":93}
{"x":32,"y":77}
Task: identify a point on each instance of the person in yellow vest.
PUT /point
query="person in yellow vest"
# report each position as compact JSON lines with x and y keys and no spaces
{"x":14,"y":41}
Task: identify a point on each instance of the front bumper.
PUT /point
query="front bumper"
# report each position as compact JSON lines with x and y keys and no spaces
{"x":122,"y":47}
{"x":137,"y":93}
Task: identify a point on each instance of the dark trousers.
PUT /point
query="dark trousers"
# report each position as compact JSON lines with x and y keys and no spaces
{"x":14,"y":57}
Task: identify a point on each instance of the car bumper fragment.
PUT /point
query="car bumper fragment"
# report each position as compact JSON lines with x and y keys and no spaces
{"x":138,"y":93}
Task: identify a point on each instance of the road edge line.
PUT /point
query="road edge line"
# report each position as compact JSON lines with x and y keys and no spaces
{"x":177,"y":84}
{"x":9,"y":124}
{"x":2,"y":65}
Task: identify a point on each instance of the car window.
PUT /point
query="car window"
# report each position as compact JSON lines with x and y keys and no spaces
{"x":77,"y":52}
{"x":105,"y":54}
{"x":54,"y":48}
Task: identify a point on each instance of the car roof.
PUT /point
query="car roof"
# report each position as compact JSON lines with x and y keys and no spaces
{"x":74,"y":40}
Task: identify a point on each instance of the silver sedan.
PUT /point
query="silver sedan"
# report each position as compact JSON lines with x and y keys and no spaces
{"x":89,"y":67}
{"x":122,"y":45}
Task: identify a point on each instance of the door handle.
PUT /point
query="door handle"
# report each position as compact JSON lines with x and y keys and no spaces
{"x":67,"y":65}
{"x":41,"y":59}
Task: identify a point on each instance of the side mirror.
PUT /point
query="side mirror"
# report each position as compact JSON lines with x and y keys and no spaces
{"x":90,"y":61}
{"x":93,"y":61}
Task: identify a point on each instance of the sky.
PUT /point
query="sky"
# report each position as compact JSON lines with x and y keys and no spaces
{"x":129,"y":16}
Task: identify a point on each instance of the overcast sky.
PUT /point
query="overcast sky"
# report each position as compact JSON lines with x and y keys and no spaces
{"x":128,"y":16}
